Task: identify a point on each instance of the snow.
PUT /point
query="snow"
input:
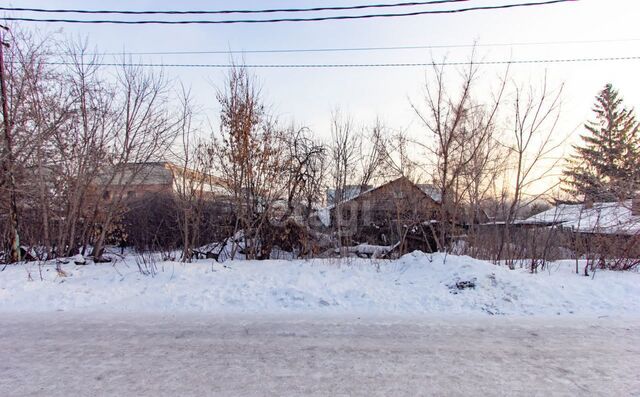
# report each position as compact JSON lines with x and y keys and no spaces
{"x":318,"y":327}
{"x":233,"y":247}
{"x":350,"y":192}
{"x":324,"y":214}
{"x":431,"y":191}
{"x":62,"y":354}
{"x":414,"y":284}
{"x":373,"y":251}
{"x":614,"y":218}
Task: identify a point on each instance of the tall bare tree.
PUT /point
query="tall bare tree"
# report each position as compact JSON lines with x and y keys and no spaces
{"x":305,"y":170}
{"x":191,"y":174}
{"x":458,"y":128}
{"x":250,"y":150}
{"x":534,"y":118}
{"x":145,"y":127}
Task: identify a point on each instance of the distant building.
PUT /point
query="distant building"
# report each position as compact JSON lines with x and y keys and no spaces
{"x":602,"y":229}
{"x":134,"y":180}
{"x":610,"y":218}
{"x":396,"y":211}
{"x":153,"y":198}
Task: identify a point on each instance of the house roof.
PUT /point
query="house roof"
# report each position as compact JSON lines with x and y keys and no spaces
{"x":431,"y":191}
{"x":153,"y":173}
{"x":150,"y":173}
{"x":373,"y":189}
{"x":350,"y":191}
{"x":325,"y":213}
{"x":605,"y":218}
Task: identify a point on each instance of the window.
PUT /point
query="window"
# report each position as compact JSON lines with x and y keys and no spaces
{"x":131,"y":194}
{"x":106,"y":195}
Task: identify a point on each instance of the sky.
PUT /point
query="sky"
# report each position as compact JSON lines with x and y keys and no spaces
{"x":307,"y":96}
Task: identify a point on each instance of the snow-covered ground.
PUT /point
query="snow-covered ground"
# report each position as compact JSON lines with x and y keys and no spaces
{"x":62,"y":354}
{"x":414,"y":284}
{"x":420,"y":325}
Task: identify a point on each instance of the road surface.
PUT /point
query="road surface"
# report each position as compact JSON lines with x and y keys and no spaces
{"x":154,"y":355}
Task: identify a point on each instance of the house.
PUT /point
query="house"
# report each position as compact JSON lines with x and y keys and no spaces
{"x":152,"y":198}
{"x":398,"y":211}
{"x":602,"y":229}
{"x":349,"y":192}
{"x":611,"y":218}
{"x":606,"y":218}
{"x":135,"y":180}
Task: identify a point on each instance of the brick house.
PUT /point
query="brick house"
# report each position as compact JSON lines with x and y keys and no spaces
{"x":136,"y":180}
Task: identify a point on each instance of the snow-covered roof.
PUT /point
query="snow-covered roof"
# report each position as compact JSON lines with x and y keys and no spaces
{"x":324,"y":214}
{"x":350,"y":192}
{"x":431,"y":191}
{"x":607,"y":218}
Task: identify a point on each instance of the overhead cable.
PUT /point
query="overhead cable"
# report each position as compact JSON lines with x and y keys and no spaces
{"x":278,"y":20}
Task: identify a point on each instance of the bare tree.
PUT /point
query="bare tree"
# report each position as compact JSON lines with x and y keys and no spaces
{"x":8,"y":163}
{"x":344,"y":152}
{"x":535,"y":117}
{"x":144,"y":128}
{"x":191,"y":175}
{"x":372,"y":151}
{"x":397,"y":157}
{"x":250,"y":151}
{"x":41,"y":108}
{"x":305,"y":170}
{"x":82,"y":147}
{"x":460,"y":128}
{"x":344,"y":149}
{"x":27,"y":81}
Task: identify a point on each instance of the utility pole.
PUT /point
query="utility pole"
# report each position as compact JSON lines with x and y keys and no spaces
{"x":7,"y":164}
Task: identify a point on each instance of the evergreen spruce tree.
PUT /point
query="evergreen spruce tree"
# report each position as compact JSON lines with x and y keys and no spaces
{"x":605,"y":165}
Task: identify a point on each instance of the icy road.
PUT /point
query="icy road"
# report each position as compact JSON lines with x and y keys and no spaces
{"x":144,"y":355}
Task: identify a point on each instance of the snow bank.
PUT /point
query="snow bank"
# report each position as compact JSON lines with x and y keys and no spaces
{"x":414,"y":284}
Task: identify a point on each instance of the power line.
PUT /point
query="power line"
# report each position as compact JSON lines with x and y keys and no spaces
{"x":354,"y":49}
{"x":212,"y":12}
{"x":275,"y":20}
{"x":360,"y":65}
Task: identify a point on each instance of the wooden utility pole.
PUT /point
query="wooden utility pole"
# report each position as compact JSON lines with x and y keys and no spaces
{"x":7,"y":164}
